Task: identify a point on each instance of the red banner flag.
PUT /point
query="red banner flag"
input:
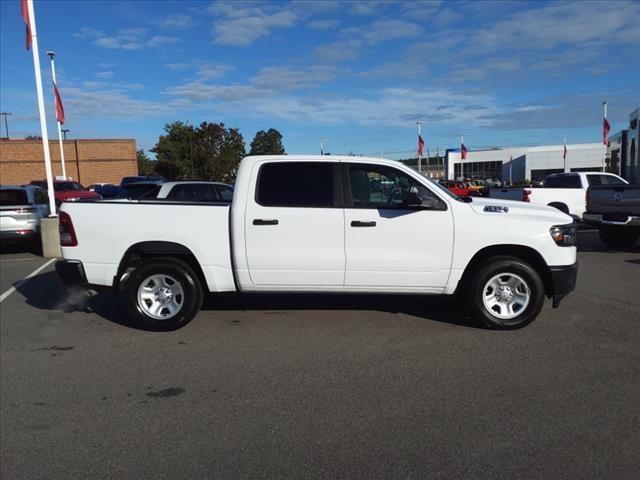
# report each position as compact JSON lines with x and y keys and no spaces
{"x":564,"y":154}
{"x":605,"y":131}
{"x":420,"y":145}
{"x":25,"y":16}
{"x":59,"y":106}
{"x":463,"y":152}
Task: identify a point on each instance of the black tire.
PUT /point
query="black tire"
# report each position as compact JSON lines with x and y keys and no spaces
{"x":619,"y":237}
{"x":490,"y":269}
{"x":175,"y":269}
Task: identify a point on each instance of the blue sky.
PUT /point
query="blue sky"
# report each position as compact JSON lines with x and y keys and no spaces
{"x":359,"y":74}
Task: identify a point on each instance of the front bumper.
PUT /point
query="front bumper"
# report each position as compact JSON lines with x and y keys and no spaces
{"x":563,"y":280}
{"x":71,"y":272}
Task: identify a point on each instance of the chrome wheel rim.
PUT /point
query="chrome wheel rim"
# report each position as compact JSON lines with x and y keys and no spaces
{"x":160,"y":296}
{"x":506,"y":296}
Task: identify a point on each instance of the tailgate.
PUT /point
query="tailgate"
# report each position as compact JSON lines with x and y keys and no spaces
{"x":17,"y":216}
{"x":621,"y":199}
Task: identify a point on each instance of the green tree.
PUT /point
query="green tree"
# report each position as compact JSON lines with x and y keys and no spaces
{"x":209,"y":152}
{"x":267,"y":143}
{"x":173,"y":151}
{"x":145,"y":164}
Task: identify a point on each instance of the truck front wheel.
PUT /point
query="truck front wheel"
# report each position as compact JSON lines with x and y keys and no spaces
{"x":505,"y":293}
{"x":163,"y":294}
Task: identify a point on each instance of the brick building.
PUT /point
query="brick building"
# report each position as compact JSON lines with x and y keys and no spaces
{"x":86,"y":161}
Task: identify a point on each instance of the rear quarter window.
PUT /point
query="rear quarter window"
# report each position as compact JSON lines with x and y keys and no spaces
{"x":296,"y":184}
{"x":563,"y":181}
{"x":13,"y":197}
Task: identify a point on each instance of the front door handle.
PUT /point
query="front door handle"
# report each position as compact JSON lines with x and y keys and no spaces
{"x":357,"y":223}
{"x":262,"y":221}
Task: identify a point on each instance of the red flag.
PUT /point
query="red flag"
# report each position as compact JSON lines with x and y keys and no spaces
{"x":420,"y":145}
{"x":463,"y":152}
{"x":25,"y":16}
{"x":59,"y":106}
{"x":564,"y":154}
{"x":605,"y":131}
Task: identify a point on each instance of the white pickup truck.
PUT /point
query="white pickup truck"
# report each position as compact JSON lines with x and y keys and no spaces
{"x":322,"y":224}
{"x":565,"y":191}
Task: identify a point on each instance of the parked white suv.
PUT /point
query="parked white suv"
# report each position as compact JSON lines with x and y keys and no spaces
{"x":322,"y":224}
{"x":21,"y":209}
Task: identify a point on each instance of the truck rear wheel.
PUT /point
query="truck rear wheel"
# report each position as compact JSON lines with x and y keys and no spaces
{"x":163,"y":294}
{"x":619,"y":237}
{"x":506,"y":293}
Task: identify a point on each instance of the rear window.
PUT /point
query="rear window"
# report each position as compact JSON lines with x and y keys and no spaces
{"x":139,"y":191}
{"x":296,"y":184}
{"x":603,"y":180}
{"x":13,"y":197}
{"x":193,"y":192}
{"x":562,"y":181}
{"x":67,"y":186}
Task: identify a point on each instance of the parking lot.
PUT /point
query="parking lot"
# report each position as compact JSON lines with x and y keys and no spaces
{"x":319,"y":386}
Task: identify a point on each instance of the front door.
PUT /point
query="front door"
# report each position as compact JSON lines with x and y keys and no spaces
{"x":389,"y":240}
{"x":295,"y":226}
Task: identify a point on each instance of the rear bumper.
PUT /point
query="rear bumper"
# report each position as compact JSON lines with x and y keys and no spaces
{"x":598,"y":219}
{"x":563,"y":280}
{"x":71,"y":272}
{"x":17,"y":235}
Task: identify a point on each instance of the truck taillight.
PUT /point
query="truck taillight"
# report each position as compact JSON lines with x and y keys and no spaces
{"x":525,"y":195}
{"x":67,"y":233}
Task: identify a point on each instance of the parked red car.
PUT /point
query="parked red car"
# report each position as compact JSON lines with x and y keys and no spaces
{"x":461,"y":189}
{"x":66,"y":190}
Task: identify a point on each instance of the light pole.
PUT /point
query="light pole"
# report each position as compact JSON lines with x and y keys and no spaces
{"x":53,"y":77}
{"x":6,"y":125}
{"x":322,"y":140}
{"x":64,"y":132}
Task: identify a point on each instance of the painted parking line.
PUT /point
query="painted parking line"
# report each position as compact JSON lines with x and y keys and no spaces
{"x":25,"y":259}
{"x":21,"y":282}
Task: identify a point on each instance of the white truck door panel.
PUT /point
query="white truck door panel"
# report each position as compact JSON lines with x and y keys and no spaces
{"x":388,"y":243}
{"x":294,"y":231}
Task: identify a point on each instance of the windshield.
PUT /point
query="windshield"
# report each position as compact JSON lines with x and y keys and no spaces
{"x":444,"y":189}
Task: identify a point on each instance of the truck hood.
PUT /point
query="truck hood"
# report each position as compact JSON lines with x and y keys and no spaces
{"x":520,"y":210}
{"x":63,"y":195}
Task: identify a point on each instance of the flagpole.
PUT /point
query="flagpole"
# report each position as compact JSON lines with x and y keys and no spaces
{"x":43,"y":118}
{"x":564,"y":153}
{"x":604,"y":145}
{"x":55,"y":82}
{"x":461,"y":162}
{"x":419,"y":151}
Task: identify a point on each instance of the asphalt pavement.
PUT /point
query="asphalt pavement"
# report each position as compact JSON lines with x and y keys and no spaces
{"x":320,"y":386}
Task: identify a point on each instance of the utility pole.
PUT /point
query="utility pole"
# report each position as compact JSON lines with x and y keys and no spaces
{"x":64,"y":132}
{"x":6,"y":125}
{"x":53,"y":77}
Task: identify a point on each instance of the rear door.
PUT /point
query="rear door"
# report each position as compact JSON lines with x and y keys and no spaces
{"x":388,"y":241}
{"x":294,"y":225}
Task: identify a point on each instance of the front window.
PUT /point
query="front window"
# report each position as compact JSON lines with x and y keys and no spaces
{"x":382,"y":187}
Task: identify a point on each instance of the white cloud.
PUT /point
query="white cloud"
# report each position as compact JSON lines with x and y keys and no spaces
{"x":88,"y":32}
{"x":177,"y":21}
{"x":106,"y":65}
{"x":106,"y":74}
{"x":177,"y":66}
{"x":242,"y":23}
{"x":327,"y":24}
{"x":133,"y":38}
{"x":158,"y":41}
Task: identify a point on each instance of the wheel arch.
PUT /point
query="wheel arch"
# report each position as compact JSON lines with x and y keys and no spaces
{"x":563,"y":207}
{"x":522,"y":252}
{"x":142,"y":251}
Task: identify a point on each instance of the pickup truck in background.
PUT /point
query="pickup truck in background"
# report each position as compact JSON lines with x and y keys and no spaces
{"x":565,"y":191}
{"x":615,"y":211}
{"x":322,"y":224}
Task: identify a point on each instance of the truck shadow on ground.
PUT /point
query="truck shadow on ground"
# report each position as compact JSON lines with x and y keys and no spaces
{"x":46,"y":292}
{"x":589,"y":241}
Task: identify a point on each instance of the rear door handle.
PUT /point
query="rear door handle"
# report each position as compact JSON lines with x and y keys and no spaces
{"x":262,"y":221}
{"x":357,"y":223}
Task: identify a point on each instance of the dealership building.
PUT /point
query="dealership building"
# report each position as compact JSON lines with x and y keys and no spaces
{"x":515,"y":164}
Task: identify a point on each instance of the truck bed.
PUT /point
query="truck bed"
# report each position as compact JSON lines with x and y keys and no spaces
{"x":201,"y":227}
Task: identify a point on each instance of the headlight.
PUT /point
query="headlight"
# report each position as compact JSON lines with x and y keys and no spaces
{"x":564,"y":235}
